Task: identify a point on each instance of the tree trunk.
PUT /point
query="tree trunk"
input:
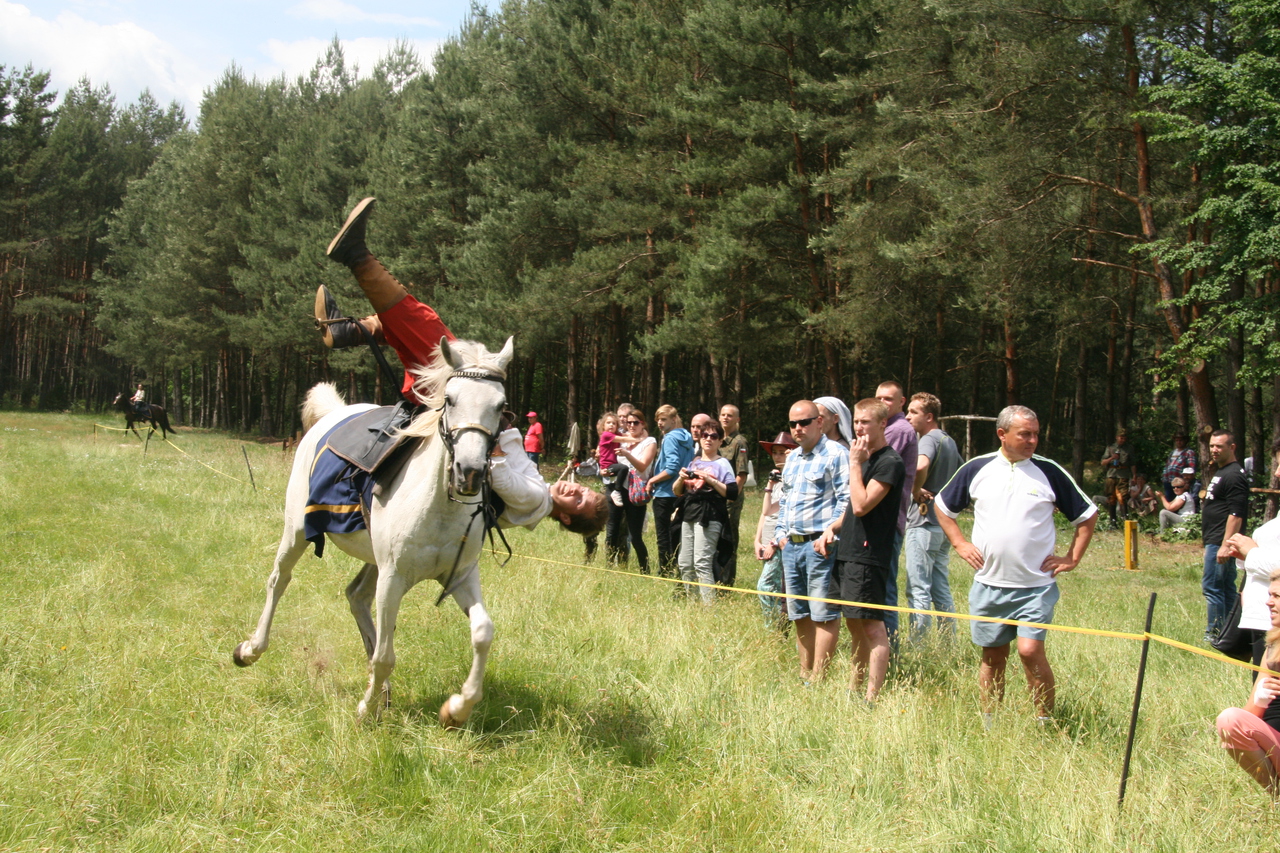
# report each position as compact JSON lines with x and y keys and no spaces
{"x":1126,"y":356}
{"x":1012,"y":385}
{"x":1197,"y":373}
{"x":571,"y":378}
{"x":1080,"y":432}
{"x":1235,"y":361}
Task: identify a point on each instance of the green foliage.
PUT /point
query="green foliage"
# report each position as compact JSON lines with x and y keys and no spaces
{"x":1224,"y":111}
{"x":698,"y":203}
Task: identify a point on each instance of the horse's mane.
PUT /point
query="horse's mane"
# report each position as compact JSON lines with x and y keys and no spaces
{"x":429,"y":382}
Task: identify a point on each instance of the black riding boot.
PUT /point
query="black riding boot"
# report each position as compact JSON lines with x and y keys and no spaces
{"x":338,"y":331}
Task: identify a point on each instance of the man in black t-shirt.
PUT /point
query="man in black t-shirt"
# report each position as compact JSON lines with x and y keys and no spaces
{"x":864,"y":550}
{"x":1225,"y":509}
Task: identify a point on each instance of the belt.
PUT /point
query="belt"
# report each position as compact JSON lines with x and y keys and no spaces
{"x":801,"y":538}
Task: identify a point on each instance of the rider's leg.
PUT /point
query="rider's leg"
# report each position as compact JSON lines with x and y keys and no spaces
{"x":413,"y":329}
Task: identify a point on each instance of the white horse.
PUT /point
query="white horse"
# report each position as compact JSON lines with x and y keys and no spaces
{"x":418,"y":529}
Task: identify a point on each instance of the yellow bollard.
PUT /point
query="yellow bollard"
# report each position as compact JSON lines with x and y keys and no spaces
{"x":1131,"y":545}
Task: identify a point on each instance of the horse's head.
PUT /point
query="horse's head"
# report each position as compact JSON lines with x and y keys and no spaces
{"x":474,"y":399}
{"x":116,"y":401}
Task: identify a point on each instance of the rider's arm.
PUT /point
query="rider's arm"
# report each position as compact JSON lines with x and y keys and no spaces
{"x":516,"y":480}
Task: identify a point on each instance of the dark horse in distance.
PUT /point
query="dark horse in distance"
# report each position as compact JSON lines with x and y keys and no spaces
{"x":158,"y":418}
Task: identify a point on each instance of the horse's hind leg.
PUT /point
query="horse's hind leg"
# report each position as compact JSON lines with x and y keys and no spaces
{"x":456,"y":710}
{"x":291,"y":548}
{"x":360,"y":598}
{"x":360,"y":594}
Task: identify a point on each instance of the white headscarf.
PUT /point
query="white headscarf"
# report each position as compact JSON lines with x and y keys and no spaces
{"x":841,"y":411}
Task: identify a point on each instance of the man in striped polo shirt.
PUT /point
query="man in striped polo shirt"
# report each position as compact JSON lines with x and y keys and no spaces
{"x":1014,"y":493}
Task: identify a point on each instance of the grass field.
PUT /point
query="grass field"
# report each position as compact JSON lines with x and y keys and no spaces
{"x":614,"y":717}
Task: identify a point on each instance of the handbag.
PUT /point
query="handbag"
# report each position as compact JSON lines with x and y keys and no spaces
{"x":1230,"y":639}
{"x":636,"y":491}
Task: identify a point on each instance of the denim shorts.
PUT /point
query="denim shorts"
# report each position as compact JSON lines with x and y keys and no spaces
{"x":1034,"y":604}
{"x":804,"y":572}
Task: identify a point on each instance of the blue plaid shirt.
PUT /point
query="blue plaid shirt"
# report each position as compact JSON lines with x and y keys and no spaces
{"x":815,"y":489}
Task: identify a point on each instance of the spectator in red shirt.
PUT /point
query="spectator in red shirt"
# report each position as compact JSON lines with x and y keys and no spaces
{"x":533,"y":438}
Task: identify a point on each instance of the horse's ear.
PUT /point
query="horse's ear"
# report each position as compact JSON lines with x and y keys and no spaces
{"x":508,"y":350}
{"x":447,"y":351}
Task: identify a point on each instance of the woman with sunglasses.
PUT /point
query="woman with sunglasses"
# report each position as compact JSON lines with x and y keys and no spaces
{"x":638,"y":458}
{"x":1175,"y":512}
{"x":708,"y":484}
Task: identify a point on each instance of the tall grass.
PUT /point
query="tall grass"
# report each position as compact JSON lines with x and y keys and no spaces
{"x":615,"y":718}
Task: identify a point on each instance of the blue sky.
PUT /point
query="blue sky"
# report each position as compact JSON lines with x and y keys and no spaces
{"x":177,"y":49}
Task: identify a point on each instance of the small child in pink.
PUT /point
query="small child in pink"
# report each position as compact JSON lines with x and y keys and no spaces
{"x":612,"y":472}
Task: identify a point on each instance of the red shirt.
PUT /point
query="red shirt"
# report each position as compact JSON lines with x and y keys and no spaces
{"x":533,"y":438}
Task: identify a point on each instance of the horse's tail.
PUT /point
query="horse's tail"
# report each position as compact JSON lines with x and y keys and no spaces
{"x":162,"y":416}
{"x":320,"y":401}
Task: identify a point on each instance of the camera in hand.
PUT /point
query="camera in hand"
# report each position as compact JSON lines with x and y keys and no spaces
{"x":775,"y":476}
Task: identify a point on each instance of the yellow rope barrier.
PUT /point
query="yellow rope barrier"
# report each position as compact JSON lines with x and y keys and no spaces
{"x":183,"y":452}
{"x":1069,"y":629}
{"x":210,"y":467}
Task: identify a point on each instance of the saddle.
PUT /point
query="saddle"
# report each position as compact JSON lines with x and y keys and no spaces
{"x":372,"y":441}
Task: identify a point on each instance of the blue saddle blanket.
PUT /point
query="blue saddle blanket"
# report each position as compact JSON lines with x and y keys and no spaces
{"x":339,"y":494}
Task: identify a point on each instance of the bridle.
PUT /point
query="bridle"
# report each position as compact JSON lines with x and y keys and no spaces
{"x":449,"y":433}
{"x":449,"y":436}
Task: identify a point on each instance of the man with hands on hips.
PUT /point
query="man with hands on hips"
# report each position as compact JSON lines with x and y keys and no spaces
{"x":1014,"y":493}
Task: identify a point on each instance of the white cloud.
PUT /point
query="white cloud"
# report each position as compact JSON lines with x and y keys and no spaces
{"x":297,"y":58}
{"x":128,"y":57}
{"x":345,"y":13}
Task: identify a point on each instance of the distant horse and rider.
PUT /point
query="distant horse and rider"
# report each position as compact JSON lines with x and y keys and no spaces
{"x":145,"y":413}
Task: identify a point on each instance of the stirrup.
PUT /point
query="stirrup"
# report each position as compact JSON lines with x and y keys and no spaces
{"x":338,"y":332}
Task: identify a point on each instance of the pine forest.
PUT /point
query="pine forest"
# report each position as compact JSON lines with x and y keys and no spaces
{"x":1069,"y":205}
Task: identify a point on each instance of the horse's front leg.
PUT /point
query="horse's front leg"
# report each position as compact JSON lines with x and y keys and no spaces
{"x":291,"y":548}
{"x":456,"y":710}
{"x":391,"y":590}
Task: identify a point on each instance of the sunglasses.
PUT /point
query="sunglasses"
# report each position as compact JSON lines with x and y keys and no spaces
{"x":633,"y":423}
{"x":717,"y":436}
{"x":803,"y":422}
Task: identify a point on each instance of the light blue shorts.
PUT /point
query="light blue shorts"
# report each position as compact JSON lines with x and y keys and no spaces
{"x":804,"y":572}
{"x":1034,"y":604}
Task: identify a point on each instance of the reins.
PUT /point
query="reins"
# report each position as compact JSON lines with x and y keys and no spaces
{"x":449,"y":435}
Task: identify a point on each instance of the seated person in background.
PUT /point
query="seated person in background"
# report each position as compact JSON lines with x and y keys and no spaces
{"x":1175,"y":512}
{"x":1251,"y":735}
{"x":1142,"y":499}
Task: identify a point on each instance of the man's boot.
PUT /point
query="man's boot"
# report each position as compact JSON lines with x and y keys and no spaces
{"x":340,"y":332}
{"x":348,"y":248}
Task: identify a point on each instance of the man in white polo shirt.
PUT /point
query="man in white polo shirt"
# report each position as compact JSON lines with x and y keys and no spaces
{"x":1014,"y":493}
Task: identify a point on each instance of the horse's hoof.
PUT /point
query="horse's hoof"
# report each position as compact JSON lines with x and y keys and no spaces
{"x":447,"y":717}
{"x":240,"y":658}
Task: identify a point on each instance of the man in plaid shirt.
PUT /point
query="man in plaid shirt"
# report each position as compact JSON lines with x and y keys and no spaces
{"x":815,"y":492}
